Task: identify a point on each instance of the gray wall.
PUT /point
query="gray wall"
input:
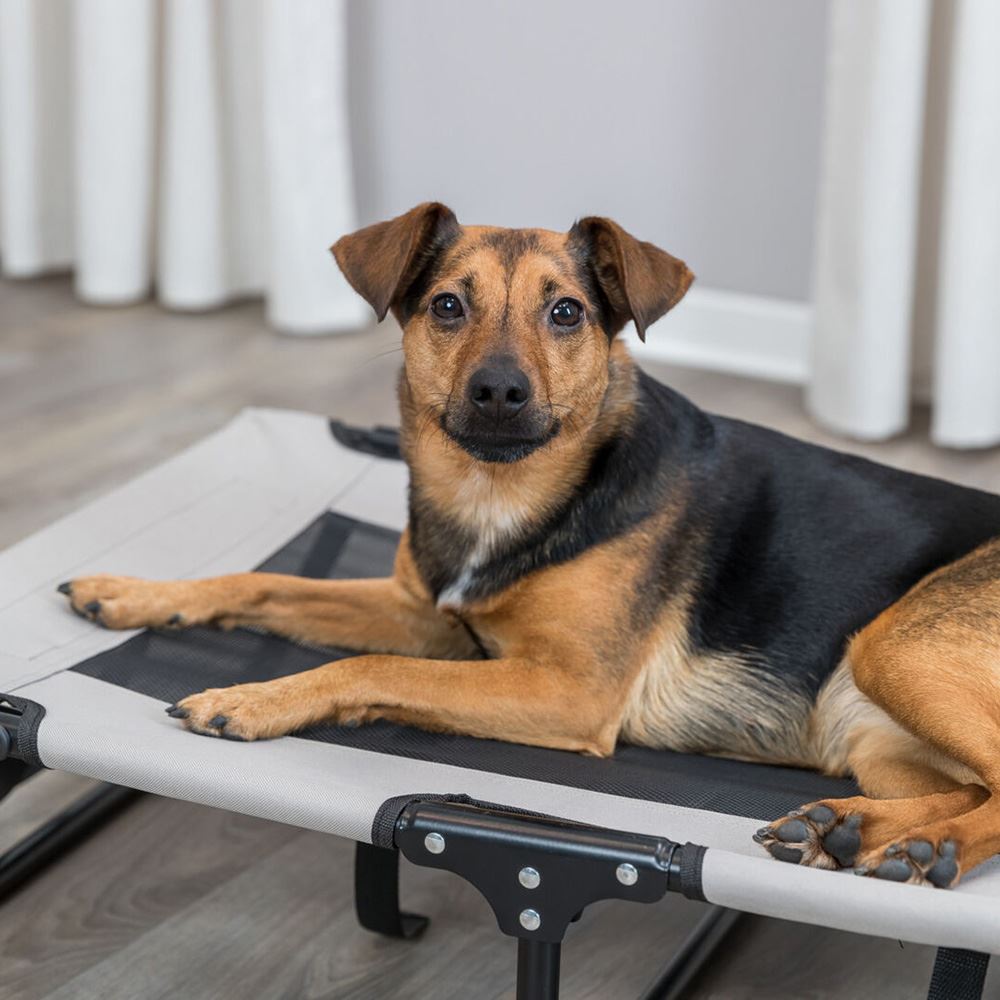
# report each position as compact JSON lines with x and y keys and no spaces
{"x":694,"y":123}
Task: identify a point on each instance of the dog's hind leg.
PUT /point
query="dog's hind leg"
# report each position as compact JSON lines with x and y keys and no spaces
{"x":904,"y":784}
{"x":932,"y":663}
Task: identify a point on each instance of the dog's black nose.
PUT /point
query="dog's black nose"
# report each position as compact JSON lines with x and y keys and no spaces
{"x":499,"y":390}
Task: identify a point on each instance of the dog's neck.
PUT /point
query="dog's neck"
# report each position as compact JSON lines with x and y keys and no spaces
{"x":466,"y":510}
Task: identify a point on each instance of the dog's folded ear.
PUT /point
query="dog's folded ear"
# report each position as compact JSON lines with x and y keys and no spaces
{"x":382,"y":261}
{"x":640,"y":281}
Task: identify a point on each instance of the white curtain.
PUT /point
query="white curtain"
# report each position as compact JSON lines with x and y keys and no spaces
{"x":907,"y":282}
{"x":198,"y":148}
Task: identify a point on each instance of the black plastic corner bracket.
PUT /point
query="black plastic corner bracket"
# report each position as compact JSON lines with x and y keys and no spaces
{"x":19,"y":721}
{"x":539,"y":873}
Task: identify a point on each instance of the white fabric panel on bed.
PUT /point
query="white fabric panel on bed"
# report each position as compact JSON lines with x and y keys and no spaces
{"x":220,"y":507}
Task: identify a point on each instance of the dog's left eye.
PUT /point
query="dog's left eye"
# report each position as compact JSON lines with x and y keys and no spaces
{"x":566,"y":312}
{"x":446,"y":306}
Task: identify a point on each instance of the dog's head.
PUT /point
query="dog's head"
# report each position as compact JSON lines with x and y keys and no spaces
{"x":508,"y":332}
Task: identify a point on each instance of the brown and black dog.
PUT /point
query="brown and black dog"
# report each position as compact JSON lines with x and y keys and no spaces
{"x":591,"y":558}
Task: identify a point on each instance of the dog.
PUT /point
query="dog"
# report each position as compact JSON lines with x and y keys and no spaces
{"x":590,"y":558}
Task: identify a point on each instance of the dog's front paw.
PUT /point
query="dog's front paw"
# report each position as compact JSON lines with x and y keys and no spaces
{"x":122,"y":602}
{"x":240,"y":712}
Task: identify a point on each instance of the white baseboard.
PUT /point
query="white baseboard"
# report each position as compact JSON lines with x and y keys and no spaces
{"x":734,"y":333}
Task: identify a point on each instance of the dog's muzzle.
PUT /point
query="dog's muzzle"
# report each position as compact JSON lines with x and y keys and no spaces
{"x":498,"y":420}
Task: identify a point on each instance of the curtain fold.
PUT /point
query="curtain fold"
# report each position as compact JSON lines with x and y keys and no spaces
{"x":113,"y":107}
{"x":905,"y":78}
{"x":198,"y":148}
{"x":36,"y":229}
{"x":967,"y":365}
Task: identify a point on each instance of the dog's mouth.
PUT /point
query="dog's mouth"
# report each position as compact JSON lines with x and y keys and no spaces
{"x":501,"y":445}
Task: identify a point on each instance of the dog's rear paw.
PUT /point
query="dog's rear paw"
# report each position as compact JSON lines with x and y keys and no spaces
{"x":815,"y":835}
{"x":917,"y":861}
{"x":122,"y":602}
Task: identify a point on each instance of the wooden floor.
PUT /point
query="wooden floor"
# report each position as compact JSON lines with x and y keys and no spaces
{"x":181,"y":901}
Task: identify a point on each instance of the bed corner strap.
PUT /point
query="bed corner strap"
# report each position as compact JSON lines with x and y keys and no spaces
{"x":690,"y":861}
{"x":19,"y":722}
{"x":384,"y":823}
{"x":959,"y":974}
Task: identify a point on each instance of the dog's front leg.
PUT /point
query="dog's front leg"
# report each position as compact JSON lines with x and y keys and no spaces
{"x":383,"y":614}
{"x":389,"y":615}
{"x":517,"y":700}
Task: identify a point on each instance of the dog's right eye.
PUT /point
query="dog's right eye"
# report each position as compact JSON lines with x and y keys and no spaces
{"x":446,"y":306}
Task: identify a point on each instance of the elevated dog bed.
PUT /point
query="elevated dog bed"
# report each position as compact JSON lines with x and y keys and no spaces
{"x":291,"y":492}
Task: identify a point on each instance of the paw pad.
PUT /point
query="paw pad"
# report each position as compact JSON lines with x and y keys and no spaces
{"x":917,"y":861}
{"x":815,"y":837}
{"x":844,"y":841}
{"x":894,"y":869}
{"x":792,"y":830}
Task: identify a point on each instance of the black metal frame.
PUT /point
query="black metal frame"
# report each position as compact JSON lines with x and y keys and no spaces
{"x":537,"y":873}
{"x":489,"y":847}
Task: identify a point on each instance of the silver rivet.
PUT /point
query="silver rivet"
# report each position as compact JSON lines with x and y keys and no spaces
{"x":626,"y":874}
{"x":530,"y":920}
{"x":434,"y":843}
{"x":529,"y":878}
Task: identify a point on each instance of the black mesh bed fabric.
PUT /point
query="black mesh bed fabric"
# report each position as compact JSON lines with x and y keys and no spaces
{"x":168,"y":666}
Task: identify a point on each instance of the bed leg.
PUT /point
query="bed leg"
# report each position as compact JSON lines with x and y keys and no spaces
{"x":537,"y":969}
{"x":958,"y":974}
{"x":376,"y":894}
{"x":537,"y":873}
{"x":12,"y":773}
